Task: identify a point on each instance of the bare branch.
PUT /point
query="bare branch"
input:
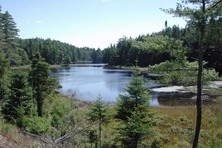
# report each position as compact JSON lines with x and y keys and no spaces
{"x":216,"y":4}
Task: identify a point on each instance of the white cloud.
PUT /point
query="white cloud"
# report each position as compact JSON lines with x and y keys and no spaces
{"x":104,"y":0}
{"x":39,"y":22}
{"x":28,"y":22}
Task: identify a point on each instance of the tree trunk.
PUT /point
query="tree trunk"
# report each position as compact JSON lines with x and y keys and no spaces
{"x":199,"y":79}
{"x":39,"y":107}
{"x":100,"y":134}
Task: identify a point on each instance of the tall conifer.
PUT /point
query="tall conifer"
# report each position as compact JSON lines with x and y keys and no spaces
{"x":99,"y":113}
{"x":41,"y":82}
{"x":20,"y":97}
{"x":133,"y":114}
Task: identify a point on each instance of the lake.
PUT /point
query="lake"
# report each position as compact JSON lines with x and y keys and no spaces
{"x":87,"y":81}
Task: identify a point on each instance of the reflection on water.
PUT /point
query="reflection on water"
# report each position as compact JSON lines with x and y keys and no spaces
{"x":90,"y":80}
{"x":173,"y":99}
{"x":87,"y":81}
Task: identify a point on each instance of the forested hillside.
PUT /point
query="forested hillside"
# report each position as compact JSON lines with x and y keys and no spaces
{"x":56,"y":52}
{"x":158,"y":47}
{"x":31,"y":105}
{"x":20,"y":51}
{"x":149,"y":49}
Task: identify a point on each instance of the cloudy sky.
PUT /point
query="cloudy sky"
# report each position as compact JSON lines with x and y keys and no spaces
{"x":90,"y":23}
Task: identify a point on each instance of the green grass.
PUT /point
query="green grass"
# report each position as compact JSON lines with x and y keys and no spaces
{"x":175,"y":128}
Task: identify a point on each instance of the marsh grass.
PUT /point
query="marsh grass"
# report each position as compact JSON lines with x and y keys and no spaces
{"x":177,"y":125}
{"x":174,"y":129}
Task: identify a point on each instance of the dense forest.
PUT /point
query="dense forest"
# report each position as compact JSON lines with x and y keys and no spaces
{"x":148,"y":49}
{"x":20,"y":51}
{"x":157,"y":47}
{"x":31,"y":105}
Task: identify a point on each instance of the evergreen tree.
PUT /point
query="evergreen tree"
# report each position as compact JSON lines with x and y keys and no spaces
{"x":2,"y":43}
{"x":205,"y":10}
{"x":99,"y":113}
{"x":10,"y":30}
{"x":1,"y":32}
{"x":67,"y":60}
{"x":132,"y":113}
{"x":41,"y":82}
{"x":4,"y":71}
{"x":20,"y":97}
{"x":8,"y":37}
{"x":110,"y":56}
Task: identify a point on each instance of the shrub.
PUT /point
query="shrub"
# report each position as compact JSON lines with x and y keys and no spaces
{"x":181,"y":73}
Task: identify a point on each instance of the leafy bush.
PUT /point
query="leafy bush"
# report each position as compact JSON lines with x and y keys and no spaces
{"x":38,"y":125}
{"x":60,"y":108}
{"x":181,"y":73}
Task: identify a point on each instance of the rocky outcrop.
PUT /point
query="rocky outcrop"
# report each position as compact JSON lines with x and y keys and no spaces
{"x":182,"y":89}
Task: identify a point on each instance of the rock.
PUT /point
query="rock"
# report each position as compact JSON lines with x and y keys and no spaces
{"x":180,"y":89}
{"x":203,"y":97}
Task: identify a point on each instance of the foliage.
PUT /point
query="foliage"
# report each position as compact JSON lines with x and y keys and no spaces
{"x":56,"y":52}
{"x":199,"y":17}
{"x":173,"y":48}
{"x":60,"y":109}
{"x":110,"y":56}
{"x":19,"y":101}
{"x":161,"y":44}
{"x":10,"y":32}
{"x":99,"y":113}
{"x":97,"y":55}
{"x":41,"y":82}
{"x":38,"y":125}
{"x":170,"y":119}
{"x":134,"y":131}
{"x":93,"y":138}
{"x":20,"y":51}
{"x":8,"y":38}
{"x":4,"y":71}
{"x":132,"y":113}
{"x":177,"y":73}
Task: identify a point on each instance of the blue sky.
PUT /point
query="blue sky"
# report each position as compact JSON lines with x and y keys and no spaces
{"x":90,"y":23}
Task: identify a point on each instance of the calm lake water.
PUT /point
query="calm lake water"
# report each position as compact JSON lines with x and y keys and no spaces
{"x":88,"y":81}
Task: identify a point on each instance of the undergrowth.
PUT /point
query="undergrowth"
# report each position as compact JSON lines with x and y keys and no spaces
{"x":175,"y":126}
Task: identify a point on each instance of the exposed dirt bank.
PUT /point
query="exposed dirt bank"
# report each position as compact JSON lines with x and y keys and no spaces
{"x":8,"y":143}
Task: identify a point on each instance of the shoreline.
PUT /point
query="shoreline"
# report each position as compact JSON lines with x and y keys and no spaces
{"x":28,"y":66}
{"x":189,"y":89}
{"x":209,"y":92}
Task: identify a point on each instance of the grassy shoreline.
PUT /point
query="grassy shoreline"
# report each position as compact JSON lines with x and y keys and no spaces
{"x":28,"y":66}
{"x":175,"y":126}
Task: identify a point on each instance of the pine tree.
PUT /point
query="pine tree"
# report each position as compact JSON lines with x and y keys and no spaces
{"x":10,"y":30}
{"x":41,"y":82}
{"x":20,"y":97}
{"x":199,"y":14}
{"x":133,"y":114}
{"x":99,"y":113}
{"x":8,"y":36}
{"x":1,"y":32}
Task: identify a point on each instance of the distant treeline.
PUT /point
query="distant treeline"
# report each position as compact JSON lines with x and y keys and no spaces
{"x":157,"y":47}
{"x":144,"y":50}
{"x":56,"y":52}
{"x":20,"y":51}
